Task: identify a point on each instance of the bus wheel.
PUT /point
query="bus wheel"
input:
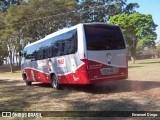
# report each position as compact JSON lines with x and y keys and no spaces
{"x":27,"y":82}
{"x":54,"y":82}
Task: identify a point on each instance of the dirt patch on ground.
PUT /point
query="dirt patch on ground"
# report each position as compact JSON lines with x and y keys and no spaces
{"x":125,"y":95}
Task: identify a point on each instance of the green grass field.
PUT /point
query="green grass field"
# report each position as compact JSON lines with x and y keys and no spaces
{"x":9,"y":74}
{"x":141,"y":91}
{"x":148,"y":69}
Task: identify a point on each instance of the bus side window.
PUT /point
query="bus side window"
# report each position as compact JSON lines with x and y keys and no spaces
{"x":62,"y":48}
{"x":45,"y":53}
{"x":40,"y":54}
{"x":73,"y":42}
{"x":74,"y":38}
{"x":49,"y":52}
{"x":67,"y":47}
{"x":24,"y":54}
{"x":27,"y":56}
{"x":54,"y":51}
{"x":35,"y":55}
{"x":58,"y":45}
{"x":72,"y":47}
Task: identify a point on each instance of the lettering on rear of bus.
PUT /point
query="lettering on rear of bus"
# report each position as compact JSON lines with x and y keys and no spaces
{"x":61,"y":62}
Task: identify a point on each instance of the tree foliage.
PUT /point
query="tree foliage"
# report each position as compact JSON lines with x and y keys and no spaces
{"x":32,"y":21}
{"x":3,"y":49}
{"x":40,"y":17}
{"x":37,"y":18}
{"x":139,"y":30}
{"x":26,"y":21}
{"x":102,"y":10}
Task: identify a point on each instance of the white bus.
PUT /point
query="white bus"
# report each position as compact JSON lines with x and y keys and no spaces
{"x":87,"y":53}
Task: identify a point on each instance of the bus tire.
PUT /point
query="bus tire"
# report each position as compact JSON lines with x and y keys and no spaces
{"x":28,"y":83}
{"x":55,"y":83}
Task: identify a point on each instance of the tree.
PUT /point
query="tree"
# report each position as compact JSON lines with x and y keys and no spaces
{"x":3,"y":50}
{"x":7,"y":34}
{"x":10,"y":40}
{"x":139,"y":30}
{"x":32,"y":21}
{"x":102,"y":10}
{"x":40,"y":17}
{"x":10,"y":43}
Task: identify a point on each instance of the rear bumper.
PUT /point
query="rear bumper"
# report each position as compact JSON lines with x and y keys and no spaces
{"x":106,"y":79}
{"x":82,"y":78}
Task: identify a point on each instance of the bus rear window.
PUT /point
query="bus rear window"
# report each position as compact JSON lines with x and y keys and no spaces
{"x":104,"y":37}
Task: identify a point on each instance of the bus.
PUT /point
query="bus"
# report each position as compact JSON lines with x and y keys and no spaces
{"x":86,"y":53}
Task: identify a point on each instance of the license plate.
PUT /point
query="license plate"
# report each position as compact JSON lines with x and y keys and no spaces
{"x":105,"y":71}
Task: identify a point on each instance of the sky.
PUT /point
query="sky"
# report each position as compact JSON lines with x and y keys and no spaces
{"x":150,"y":7}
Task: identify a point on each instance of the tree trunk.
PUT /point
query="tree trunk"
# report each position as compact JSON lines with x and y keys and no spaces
{"x":19,"y":63}
{"x":11,"y":68}
{"x":133,"y":59}
{"x":11,"y":61}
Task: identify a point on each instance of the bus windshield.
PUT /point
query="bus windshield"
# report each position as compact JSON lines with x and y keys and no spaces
{"x":104,"y":37}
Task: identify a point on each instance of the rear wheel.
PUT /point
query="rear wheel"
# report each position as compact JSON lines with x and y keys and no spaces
{"x":55,"y":83}
{"x":27,"y":82}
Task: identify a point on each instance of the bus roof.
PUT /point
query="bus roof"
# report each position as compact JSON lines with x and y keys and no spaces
{"x":66,"y":30}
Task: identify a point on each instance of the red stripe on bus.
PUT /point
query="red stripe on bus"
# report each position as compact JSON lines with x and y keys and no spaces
{"x":82,"y":75}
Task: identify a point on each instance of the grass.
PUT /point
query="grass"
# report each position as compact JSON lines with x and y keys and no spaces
{"x":139,"y":92}
{"x":9,"y":75}
{"x":148,"y":69}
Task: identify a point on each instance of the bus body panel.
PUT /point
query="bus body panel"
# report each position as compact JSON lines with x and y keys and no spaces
{"x":99,"y":68}
{"x":68,"y":68}
{"x":82,"y":67}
